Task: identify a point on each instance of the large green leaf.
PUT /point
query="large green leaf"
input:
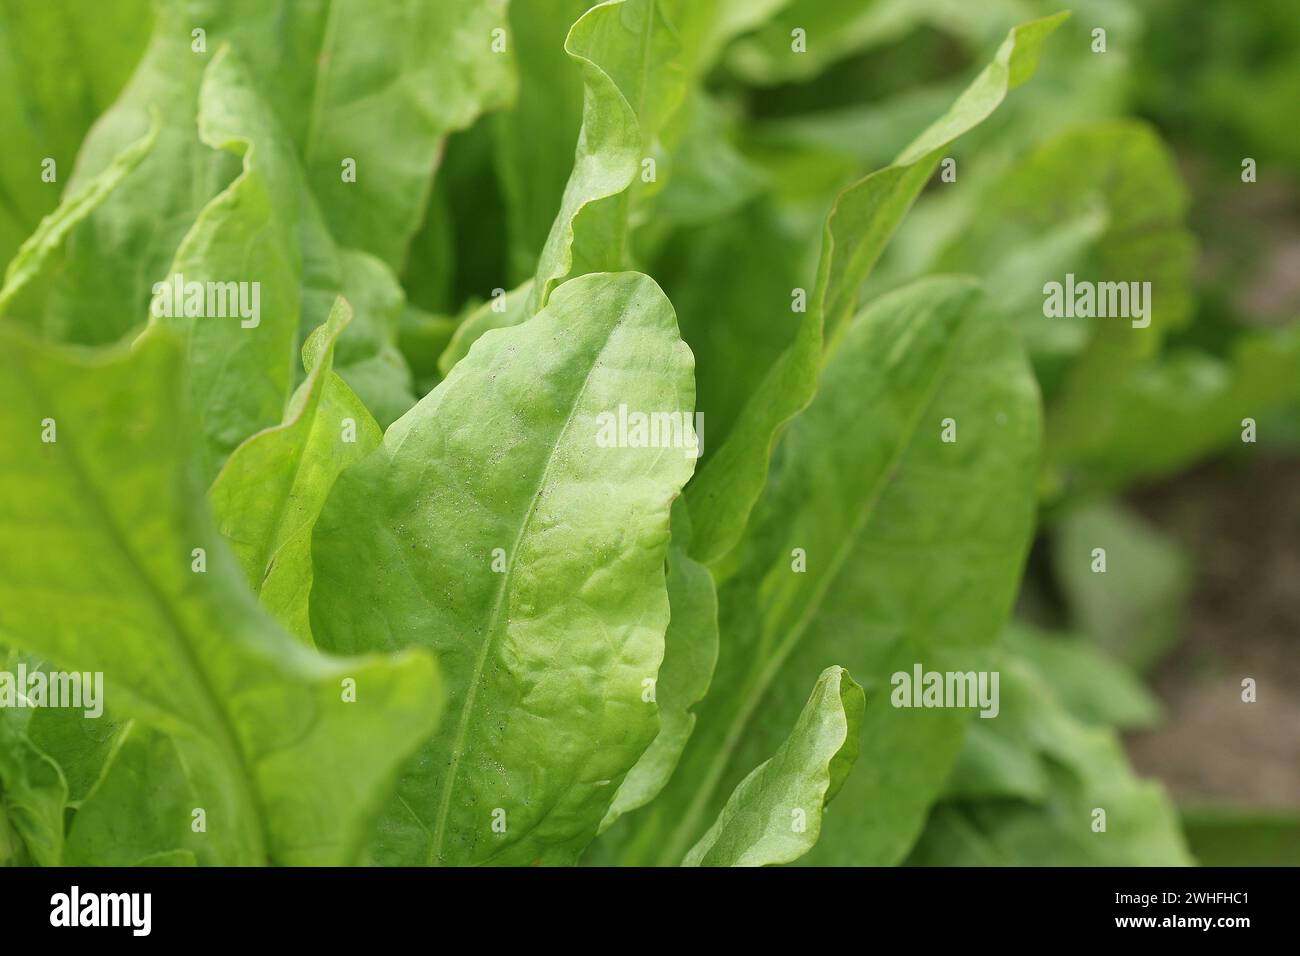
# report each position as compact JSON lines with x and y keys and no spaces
{"x":859,"y":225}
{"x":116,"y":255}
{"x":316,"y":82}
{"x":100,"y":573}
{"x":912,"y":548}
{"x":268,"y":495}
{"x":775,"y":814}
{"x":486,"y":527}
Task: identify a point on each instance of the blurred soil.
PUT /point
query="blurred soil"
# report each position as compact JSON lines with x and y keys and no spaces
{"x":1250,"y":240}
{"x":1240,"y":522}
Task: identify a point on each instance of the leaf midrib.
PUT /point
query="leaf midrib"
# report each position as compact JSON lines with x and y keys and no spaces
{"x":491,"y":632}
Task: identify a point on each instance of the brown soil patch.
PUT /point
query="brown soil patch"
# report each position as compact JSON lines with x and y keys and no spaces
{"x":1241,"y":524}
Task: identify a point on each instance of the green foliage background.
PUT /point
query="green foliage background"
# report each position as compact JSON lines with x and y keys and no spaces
{"x":562,"y":207}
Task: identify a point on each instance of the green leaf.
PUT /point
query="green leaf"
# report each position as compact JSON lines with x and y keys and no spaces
{"x":994,"y":763}
{"x":497,"y":313}
{"x":638,"y":61}
{"x":1123,"y":169}
{"x":658,"y":61}
{"x":859,"y":225}
{"x":706,"y":178}
{"x":1231,"y":836}
{"x":79,"y":746}
{"x":33,"y":793}
{"x":101,"y":574}
{"x":1133,"y":607}
{"x":775,"y":814}
{"x":127,"y":244}
{"x":1163,"y":415}
{"x":245,"y":244}
{"x":140,"y":811}
{"x":422,"y":68}
{"x":1086,"y":770}
{"x":367,"y":356}
{"x":267,"y":497}
{"x":589,"y":231}
{"x":732,"y":327}
{"x":912,"y":548}
{"x":833,"y":29}
{"x":1001,"y":758}
{"x":1091,"y":686}
{"x":423,"y":337}
{"x":1104,"y":203}
{"x":534,"y":140}
{"x":265,"y":232}
{"x":690,"y":653}
{"x":485,"y":527}
{"x":338,"y":77}
{"x":713,"y":23}
{"x":688,"y":168}
{"x":12,"y":851}
{"x":59,"y":69}
{"x":28,"y":276}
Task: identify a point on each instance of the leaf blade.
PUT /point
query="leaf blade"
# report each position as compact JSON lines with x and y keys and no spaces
{"x":541,"y":730}
{"x":755,"y":828}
